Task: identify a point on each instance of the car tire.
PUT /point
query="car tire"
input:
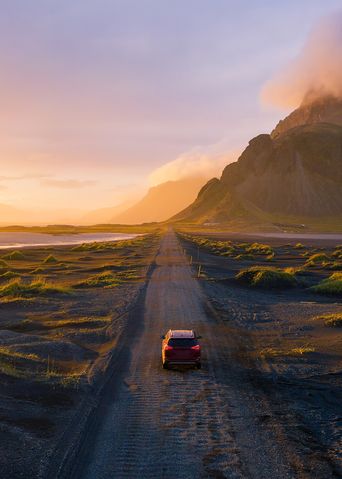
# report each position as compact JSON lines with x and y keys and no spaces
{"x":165,"y":365}
{"x":199,"y":365}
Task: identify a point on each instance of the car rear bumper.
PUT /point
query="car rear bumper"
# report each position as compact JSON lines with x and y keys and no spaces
{"x":182,"y":361}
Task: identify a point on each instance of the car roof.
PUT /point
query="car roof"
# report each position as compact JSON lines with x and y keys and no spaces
{"x":182,"y":333}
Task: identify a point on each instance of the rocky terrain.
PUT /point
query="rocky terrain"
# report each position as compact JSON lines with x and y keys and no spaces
{"x":292,"y":175}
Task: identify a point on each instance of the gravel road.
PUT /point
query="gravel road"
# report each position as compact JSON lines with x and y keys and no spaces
{"x":212,"y":423}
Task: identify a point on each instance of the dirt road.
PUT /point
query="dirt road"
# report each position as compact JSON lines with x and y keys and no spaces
{"x":210,"y":423}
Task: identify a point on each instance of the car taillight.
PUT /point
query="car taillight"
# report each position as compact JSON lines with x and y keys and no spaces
{"x":196,"y":348}
{"x":168,"y":348}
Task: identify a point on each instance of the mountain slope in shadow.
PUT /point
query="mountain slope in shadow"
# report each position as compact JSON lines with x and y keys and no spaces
{"x":296,"y":172}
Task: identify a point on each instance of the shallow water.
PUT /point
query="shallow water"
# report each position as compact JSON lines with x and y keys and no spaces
{"x":22,"y":240}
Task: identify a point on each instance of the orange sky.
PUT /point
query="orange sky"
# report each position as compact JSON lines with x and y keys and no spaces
{"x":97,"y":97}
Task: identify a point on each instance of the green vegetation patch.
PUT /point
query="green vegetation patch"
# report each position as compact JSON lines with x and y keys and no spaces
{"x":14,"y":255}
{"x":337,"y":254}
{"x":38,"y":287}
{"x":8,"y":275}
{"x":259,"y":248}
{"x":267,"y":277}
{"x":37,"y":271}
{"x":50,"y":259}
{"x":102,"y":280}
{"x":330,"y":286}
{"x":318,"y":258}
{"x":32,"y":324}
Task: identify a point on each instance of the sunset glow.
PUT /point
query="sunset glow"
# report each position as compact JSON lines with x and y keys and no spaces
{"x":97,"y":97}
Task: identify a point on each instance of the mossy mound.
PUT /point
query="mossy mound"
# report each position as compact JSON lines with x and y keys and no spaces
{"x":14,"y":255}
{"x":330,"y":286}
{"x":267,"y":278}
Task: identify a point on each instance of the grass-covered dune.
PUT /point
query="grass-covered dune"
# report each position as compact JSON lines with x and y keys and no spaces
{"x":275,"y":265}
{"x":330,"y":286}
{"x":267,"y":278}
{"x":61,"y":311}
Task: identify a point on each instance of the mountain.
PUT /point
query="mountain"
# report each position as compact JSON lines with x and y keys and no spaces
{"x":103,"y":215}
{"x":161,"y":202}
{"x":293,"y":173}
{"x":313,"y":109}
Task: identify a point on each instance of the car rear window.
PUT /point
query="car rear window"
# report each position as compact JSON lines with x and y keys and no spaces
{"x":182,"y":342}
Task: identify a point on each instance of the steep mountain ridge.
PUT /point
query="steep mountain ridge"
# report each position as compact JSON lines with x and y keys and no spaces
{"x":327,"y":109}
{"x":296,"y":172}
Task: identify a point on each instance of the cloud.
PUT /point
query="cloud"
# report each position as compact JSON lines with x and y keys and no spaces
{"x":316,"y":71}
{"x":202,"y":162}
{"x":68,"y":183}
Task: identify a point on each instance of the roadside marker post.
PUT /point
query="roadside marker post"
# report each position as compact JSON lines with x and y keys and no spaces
{"x":199,"y":271}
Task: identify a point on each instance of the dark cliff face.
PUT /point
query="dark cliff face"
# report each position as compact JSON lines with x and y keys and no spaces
{"x":296,"y":172}
{"x":301,"y":174}
{"x":313,"y":110}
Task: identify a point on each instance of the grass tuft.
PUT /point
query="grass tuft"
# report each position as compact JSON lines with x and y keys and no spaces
{"x":318,"y":258}
{"x":37,"y":271}
{"x":102,"y":280}
{"x":267,"y":277}
{"x":37,"y":287}
{"x":9,"y":275}
{"x":50,"y":259}
{"x":14,"y":255}
{"x":294,"y":352}
{"x":333,"y":320}
{"x":330,"y":286}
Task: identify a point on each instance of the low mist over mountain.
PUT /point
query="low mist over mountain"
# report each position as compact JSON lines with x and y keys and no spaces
{"x":313,"y":109}
{"x":294,"y":173}
{"x":161,"y":202}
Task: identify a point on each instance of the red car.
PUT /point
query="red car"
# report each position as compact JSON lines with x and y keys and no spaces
{"x":180,"y":346}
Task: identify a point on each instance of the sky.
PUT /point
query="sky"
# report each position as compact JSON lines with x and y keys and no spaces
{"x":102,"y":98}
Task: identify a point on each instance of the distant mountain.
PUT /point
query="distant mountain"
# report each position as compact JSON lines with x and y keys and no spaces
{"x":294,"y":173}
{"x":161,"y":202}
{"x":104,"y":215}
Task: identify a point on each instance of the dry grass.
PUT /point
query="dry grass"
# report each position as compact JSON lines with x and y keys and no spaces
{"x":102,"y":280}
{"x":37,"y":287}
{"x":333,"y":320}
{"x":294,"y":352}
{"x":50,"y":259}
{"x":8,"y":275}
{"x":317,"y":258}
{"x":14,"y":255}
{"x":12,"y":354}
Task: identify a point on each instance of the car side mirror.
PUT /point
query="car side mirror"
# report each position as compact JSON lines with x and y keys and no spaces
{"x":162,"y":337}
